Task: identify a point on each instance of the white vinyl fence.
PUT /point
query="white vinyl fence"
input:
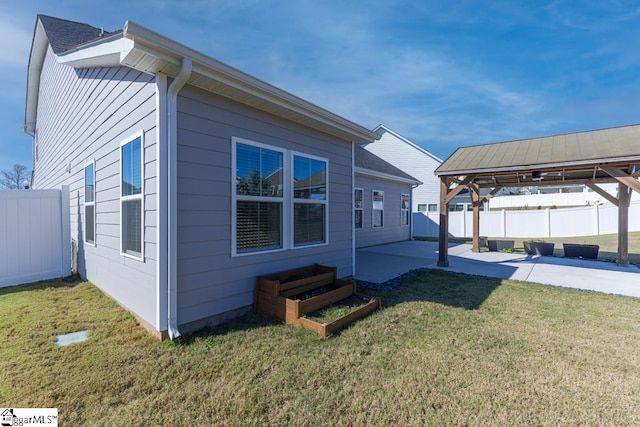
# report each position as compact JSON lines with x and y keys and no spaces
{"x":583,"y":221}
{"x":35,"y":239}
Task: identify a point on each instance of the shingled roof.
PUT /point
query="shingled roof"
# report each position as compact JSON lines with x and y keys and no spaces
{"x":367,"y":160}
{"x":64,"y":35}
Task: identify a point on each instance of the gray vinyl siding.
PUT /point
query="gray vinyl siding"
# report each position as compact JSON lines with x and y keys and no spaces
{"x":413,"y":161}
{"x":84,"y":115}
{"x":392,"y":231}
{"x":210,"y":280}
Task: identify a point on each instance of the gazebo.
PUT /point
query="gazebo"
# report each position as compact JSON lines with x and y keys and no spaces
{"x":591,"y":158}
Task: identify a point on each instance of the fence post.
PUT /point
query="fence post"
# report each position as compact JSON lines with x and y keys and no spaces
{"x":65,"y":226}
{"x":596,"y":220}
{"x":504,"y":223}
{"x":547,"y":221}
{"x":464,"y":224}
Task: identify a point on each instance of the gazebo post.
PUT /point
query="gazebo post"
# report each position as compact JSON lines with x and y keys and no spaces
{"x":623,"y":224}
{"x":475,"y":202}
{"x":443,"y":239}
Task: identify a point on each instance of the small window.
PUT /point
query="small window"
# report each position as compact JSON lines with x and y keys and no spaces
{"x":131,"y":197}
{"x":422,"y":207}
{"x":378,"y":208}
{"x":404,"y":209}
{"x":433,"y":207}
{"x":90,"y":203}
{"x":357,"y":207}
{"x":309,"y":200}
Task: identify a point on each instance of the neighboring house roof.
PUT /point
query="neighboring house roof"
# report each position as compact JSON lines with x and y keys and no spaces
{"x":380,"y":129}
{"x":142,"y":49}
{"x":368,"y":163}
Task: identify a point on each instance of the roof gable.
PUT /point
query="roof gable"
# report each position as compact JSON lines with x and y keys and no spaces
{"x":381,"y":129}
{"x":64,"y":34}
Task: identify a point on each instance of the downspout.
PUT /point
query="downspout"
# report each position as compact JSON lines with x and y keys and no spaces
{"x":172,"y":193}
{"x":353,"y":202}
{"x":413,"y":187}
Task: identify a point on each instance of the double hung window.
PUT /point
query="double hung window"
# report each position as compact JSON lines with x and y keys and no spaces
{"x":259,"y":198}
{"x":131,"y":197}
{"x":404,"y":209}
{"x":357,"y":207}
{"x":309,"y":200}
{"x":378,"y":208}
{"x":90,"y":203}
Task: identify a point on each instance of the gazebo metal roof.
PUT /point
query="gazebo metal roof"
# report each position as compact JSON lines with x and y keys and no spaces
{"x":566,"y":159}
{"x":589,"y":158}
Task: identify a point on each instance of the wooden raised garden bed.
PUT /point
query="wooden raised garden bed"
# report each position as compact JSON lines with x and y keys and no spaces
{"x":291,"y":295}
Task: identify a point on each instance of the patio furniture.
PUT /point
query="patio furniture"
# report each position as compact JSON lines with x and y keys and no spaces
{"x":573,"y":250}
{"x":539,"y":248}
{"x":499,"y":245}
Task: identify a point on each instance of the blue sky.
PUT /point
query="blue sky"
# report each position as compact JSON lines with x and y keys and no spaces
{"x":443,"y":74}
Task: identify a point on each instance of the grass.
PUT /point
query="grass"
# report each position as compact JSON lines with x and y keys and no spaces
{"x":608,"y":244}
{"x":334,"y":311}
{"x":445,"y":349}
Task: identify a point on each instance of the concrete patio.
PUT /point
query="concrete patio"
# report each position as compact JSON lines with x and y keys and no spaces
{"x":379,"y":264}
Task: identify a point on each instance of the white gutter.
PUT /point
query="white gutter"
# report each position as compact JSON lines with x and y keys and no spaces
{"x":172,"y":193}
{"x":382,"y":175}
{"x":353,"y":202}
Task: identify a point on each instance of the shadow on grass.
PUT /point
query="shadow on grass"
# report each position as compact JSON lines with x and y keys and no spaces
{"x":212,"y":336}
{"x":63,"y":282}
{"x":442,"y":287}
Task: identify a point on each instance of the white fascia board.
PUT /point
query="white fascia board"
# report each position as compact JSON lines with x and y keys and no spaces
{"x":36,"y":59}
{"x":402,"y":138}
{"x":162,"y":47}
{"x":102,"y":53}
{"x":382,"y":175}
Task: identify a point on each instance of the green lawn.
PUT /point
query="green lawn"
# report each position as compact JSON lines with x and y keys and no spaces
{"x":445,"y":349}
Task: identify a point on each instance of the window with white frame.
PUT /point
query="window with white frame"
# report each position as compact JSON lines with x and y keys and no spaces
{"x":259,"y":198}
{"x":131,"y":196}
{"x":377,"y":199}
{"x":404,"y":209}
{"x":358,"y":196}
{"x":309,"y":200}
{"x":280,"y":198}
{"x":433,"y":207}
{"x":90,"y":203}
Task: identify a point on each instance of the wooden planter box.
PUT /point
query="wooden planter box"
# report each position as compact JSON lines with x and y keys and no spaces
{"x":291,"y":294}
{"x":573,"y":250}
{"x":325,"y":329}
{"x":499,"y":245}
{"x":539,"y":248}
